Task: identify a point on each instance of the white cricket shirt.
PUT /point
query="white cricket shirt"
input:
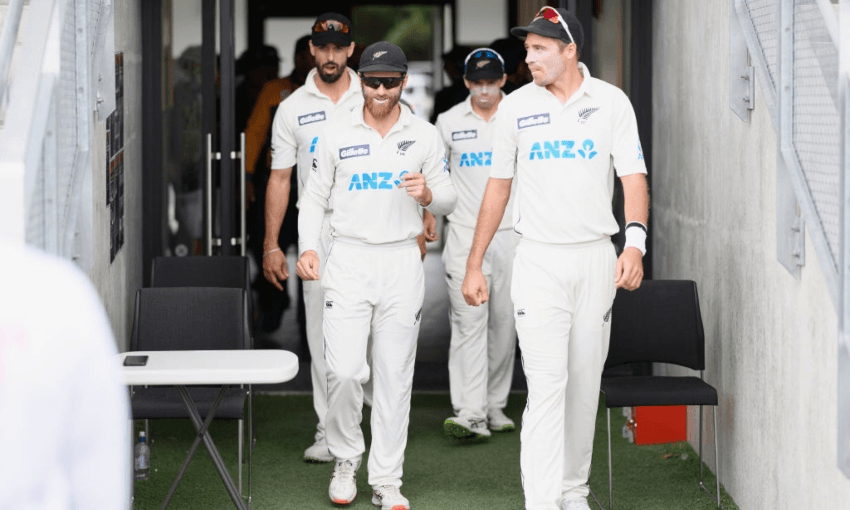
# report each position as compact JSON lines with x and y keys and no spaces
{"x":361,"y":171}
{"x":469,"y":146}
{"x":300,"y":121}
{"x":564,"y":157}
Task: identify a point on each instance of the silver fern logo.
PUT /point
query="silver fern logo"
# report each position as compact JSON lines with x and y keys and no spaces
{"x":403,"y":146}
{"x":585,"y":114}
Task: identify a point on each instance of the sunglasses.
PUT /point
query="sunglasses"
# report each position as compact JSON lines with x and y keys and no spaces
{"x":388,"y":83}
{"x":550,"y":14}
{"x":482,"y":52}
{"x":331,"y":25}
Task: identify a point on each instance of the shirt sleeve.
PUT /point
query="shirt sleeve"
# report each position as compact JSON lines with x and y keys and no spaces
{"x":504,"y":144}
{"x":284,"y":143}
{"x":444,"y":134}
{"x":626,"y":151}
{"x":438,"y":179}
{"x":316,"y":197}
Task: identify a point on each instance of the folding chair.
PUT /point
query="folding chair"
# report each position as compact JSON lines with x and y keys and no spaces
{"x":192,"y":318}
{"x":659,"y":322}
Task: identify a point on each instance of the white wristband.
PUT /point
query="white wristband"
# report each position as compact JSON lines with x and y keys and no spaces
{"x":636,"y":236}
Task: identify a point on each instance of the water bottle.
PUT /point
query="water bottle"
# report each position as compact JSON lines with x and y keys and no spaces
{"x":142,"y":458}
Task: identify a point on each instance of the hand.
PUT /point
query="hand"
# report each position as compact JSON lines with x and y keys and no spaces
{"x":274,"y":268}
{"x":420,"y":240}
{"x":629,"y":271}
{"x":429,"y":227}
{"x":474,"y":288}
{"x":416,"y":188}
{"x":307,"y":266}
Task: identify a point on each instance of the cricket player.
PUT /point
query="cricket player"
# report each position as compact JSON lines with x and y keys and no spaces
{"x":331,"y":89}
{"x":562,"y":138}
{"x":379,"y":166}
{"x":483,"y":342}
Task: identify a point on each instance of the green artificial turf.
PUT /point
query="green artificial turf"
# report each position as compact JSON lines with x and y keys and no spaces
{"x":439,"y":473}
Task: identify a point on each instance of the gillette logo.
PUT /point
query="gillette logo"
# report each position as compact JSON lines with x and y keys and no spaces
{"x":464,"y":135}
{"x":311,"y":118}
{"x":355,"y":151}
{"x":532,"y":120}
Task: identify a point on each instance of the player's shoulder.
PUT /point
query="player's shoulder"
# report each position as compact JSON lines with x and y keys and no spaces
{"x":606,"y":91}
{"x":521,"y":98}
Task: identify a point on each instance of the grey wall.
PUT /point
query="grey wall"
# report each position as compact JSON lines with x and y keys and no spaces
{"x":771,"y":339}
{"x":117,"y":281}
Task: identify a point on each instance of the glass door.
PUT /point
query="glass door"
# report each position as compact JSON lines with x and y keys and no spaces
{"x":201,"y":186}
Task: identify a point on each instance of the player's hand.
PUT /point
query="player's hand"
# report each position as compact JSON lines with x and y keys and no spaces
{"x":274,"y":268}
{"x":416,"y":188}
{"x":420,"y":240}
{"x":629,"y":271}
{"x":429,"y":226}
{"x":307,"y":266}
{"x":474,"y":288}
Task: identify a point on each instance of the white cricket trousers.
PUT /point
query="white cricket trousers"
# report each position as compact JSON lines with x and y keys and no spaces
{"x":483,"y":341}
{"x":375,"y":288}
{"x":563,"y":296}
{"x":313,"y":306}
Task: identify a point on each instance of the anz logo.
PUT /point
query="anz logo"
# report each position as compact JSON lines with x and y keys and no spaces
{"x":313,"y":145}
{"x":565,"y":149}
{"x":476,"y":159}
{"x":374,"y":180}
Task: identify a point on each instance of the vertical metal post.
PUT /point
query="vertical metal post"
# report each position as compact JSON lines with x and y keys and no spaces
{"x":844,"y":262}
{"x":208,"y":182}
{"x":227,"y":201}
{"x":243,"y":223}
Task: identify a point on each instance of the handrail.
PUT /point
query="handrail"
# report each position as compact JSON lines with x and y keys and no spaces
{"x":7,"y":47}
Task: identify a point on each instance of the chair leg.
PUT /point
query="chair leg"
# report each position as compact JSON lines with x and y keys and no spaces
{"x":241,"y":433}
{"x":250,"y":441}
{"x":610,"y":469}
{"x":716,"y":495}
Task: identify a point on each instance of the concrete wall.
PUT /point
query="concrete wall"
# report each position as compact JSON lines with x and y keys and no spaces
{"x":771,"y":339}
{"x":117,"y":281}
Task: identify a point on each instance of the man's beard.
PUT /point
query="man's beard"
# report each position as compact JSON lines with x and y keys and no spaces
{"x":330,"y":77}
{"x":381,"y":110}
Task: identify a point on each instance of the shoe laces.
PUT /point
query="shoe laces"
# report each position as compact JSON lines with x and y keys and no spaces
{"x":388,"y":492}
{"x":477,"y":424}
{"x":345,"y":470}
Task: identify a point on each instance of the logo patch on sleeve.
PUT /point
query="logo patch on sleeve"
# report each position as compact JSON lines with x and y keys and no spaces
{"x":354,"y":151}
{"x":311,"y":118}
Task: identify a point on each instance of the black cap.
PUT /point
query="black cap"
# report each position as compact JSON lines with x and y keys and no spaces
{"x":484,"y":64}
{"x":382,"y":56}
{"x":332,"y":27}
{"x":553,"y":28}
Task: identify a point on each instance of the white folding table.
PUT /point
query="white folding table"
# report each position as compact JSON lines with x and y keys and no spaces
{"x":185,"y":368}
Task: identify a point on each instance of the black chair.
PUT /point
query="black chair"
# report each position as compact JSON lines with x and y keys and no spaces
{"x":221,"y":271}
{"x":659,"y":322}
{"x":192,"y":318}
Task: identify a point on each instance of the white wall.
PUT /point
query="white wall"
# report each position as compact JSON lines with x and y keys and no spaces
{"x":771,"y":340}
{"x":117,"y":281}
{"x":480,"y":22}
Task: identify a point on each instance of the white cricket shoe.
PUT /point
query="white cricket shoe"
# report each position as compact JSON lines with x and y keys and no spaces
{"x":389,"y":497}
{"x":318,"y":452}
{"x":343,"y":488}
{"x":498,"y":422}
{"x":460,"y":427}
{"x":575,"y":504}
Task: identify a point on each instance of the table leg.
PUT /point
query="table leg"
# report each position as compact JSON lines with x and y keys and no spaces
{"x":204,"y":435}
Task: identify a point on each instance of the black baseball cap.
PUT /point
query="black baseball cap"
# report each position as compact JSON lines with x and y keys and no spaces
{"x":545,"y":23}
{"x":484,"y":64}
{"x":383,"y":56}
{"x":332,"y":27}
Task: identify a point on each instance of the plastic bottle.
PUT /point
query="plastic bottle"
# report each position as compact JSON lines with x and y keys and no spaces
{"x":142,"y":458}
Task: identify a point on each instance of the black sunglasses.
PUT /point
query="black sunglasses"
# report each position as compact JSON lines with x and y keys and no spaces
{"x":388,"y":83}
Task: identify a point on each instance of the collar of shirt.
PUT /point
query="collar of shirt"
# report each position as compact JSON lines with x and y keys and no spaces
{"x":468,"y":110}
{"x":353,"y":87}
{"x":588,"y":86}
{"x":403,"y":121}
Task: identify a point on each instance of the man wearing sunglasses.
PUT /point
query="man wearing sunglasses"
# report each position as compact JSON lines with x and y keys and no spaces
{"x":299,"y":123}
{"x":380,"y":166}
{"x":483,"y":343}
{"x":562,"y":138}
